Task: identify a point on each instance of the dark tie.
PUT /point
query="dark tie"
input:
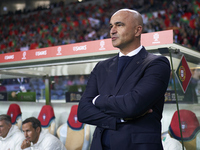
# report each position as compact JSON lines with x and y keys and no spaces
{"x":122,"y":64}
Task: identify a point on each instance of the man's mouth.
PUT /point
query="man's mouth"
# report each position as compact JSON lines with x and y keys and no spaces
{"x":114,"y":38}
{"x":28,"y":138}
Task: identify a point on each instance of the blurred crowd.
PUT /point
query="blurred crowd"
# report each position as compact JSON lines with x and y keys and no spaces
{"x":61,"y":24}
{"x":59,"y":85}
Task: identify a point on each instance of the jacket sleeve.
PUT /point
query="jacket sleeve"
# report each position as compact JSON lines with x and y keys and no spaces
{"x":89,"y":113}
{"x":150,"y":89}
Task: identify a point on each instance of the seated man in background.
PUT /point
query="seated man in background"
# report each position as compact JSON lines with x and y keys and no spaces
{"x":11,"y":137}
{"x":170,"y":143}
{"x":38,"y":139}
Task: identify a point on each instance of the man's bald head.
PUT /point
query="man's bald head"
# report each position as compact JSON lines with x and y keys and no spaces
{"x":136,"y":15}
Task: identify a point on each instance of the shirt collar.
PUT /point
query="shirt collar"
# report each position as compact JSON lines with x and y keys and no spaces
{"x":132,"y":53}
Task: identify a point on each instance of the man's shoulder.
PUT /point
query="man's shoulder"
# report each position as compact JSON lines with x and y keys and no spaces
{"x":107,"y":61}
{"x":16,"y":132}
{"x":50,"y":138}
{"x":19,"y":135}
{"x":110,"y":59}
{"x":151,"y":56}
{"x":147,"y":55}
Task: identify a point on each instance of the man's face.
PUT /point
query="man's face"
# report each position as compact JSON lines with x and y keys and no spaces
{"x":30,"y":133}
{"x":4,"y":128}
{"x":123,"y":29}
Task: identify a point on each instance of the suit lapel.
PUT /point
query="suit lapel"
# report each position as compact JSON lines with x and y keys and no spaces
{"x":112,"y":73}
{"x":132,"y":66}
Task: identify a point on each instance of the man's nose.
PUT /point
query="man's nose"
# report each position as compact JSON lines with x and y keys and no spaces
{"x":113,"y":30}
{"x":25,"y":134}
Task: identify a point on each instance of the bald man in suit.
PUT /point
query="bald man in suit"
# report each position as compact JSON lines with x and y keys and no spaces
{"x":123,"y":89}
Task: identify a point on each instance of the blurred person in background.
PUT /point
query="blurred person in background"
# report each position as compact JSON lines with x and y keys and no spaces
{"x":11,"y":137}
{"x":170,"y":143}
{"x":37,"y":139}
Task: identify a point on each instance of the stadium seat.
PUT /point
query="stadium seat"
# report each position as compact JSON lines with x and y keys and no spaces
{"x":47,"y":119}
{"x":16,"y":115}
{"x":73,"y":134}
{"x":190,"y":129}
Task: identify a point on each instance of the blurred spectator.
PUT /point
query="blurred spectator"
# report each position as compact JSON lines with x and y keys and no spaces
{"x":37,"y":85}
{"x":10,"y":135}
{"x":170,"y":143}
{"x":79,"y":22}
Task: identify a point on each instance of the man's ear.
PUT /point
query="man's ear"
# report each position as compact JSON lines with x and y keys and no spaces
{"x":138,"y":30}
{"x":10,"y":125}
{"x":38,"y":129}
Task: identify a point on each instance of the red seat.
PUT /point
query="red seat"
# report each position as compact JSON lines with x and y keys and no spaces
{"x":47,"y":119}
{"x":15,"y":113}
{"x":74,"y":134}
{"x":190,"y":129}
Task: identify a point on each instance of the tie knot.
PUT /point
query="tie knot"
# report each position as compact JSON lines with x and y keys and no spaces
{"x":124,"y":59}
{"x":122,"y":63}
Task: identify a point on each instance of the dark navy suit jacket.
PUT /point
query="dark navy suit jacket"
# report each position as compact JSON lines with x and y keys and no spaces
{"x":141,"y":87}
